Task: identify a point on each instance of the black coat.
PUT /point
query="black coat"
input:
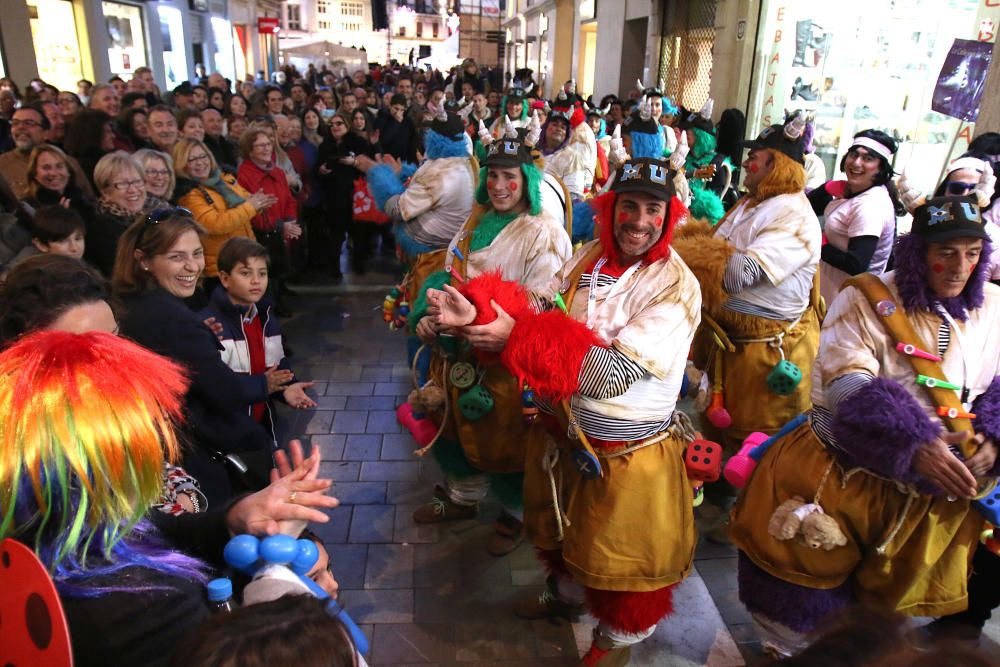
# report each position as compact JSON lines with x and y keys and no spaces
{"x":216,"y":416}
{"x":400,"y":140}
{"x":338,"y":185}
{"x":102,"y":239}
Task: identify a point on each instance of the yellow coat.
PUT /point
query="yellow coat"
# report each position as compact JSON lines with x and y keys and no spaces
{"x":221,"y":223}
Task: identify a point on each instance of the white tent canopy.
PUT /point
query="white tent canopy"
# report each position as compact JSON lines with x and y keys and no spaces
{"x":319,"y":52}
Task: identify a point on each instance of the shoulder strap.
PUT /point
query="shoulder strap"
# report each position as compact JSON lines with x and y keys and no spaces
{"x":901,"y":331}
{"x":574,"y":277}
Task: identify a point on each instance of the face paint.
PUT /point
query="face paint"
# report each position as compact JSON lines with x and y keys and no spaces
{"x":658,"y":222}
{"x":937,"y":268}
{"x":513,"y":186}
{"x":753,"y":168}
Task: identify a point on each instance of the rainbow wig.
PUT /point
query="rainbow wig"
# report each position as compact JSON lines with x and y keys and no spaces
{"x":88,"y":421}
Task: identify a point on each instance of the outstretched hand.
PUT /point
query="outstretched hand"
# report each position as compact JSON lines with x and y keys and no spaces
{"x":449,"y":308}
{"x":294,"y":498}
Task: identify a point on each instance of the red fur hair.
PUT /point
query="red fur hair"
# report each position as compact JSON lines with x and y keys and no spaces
{"x":510,"y":296}
{"x":604,"y":214}
{"x":628,"y":611}
{"x":547,"y":351}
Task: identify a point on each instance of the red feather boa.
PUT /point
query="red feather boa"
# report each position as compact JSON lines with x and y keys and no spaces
{"x":629,"y":611}
{"x":604,"y":214}
{"x":545,"y":350}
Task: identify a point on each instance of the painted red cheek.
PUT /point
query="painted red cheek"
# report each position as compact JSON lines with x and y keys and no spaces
{"x":753,"y":169}
{"x":658,"y":222}
{"x":937,"y":268}
{"x":513,"y":187}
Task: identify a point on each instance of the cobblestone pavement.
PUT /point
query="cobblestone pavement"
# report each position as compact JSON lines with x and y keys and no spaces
{"x":431,"y":595}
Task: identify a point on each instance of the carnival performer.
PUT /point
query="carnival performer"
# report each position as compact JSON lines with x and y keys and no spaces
{"x":568,"y":144}
{"x":618,"y":536}
{"x":515,"y":115}
{"x":483,"y":438}
{"x":859,"y":212}
{"x":760,"y":329}
{"x":906,"y":373}
{"x":430,"y":202}
{"x":706,"y":194}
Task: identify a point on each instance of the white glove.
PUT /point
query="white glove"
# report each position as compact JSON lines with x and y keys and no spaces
{"x":617,"y":152}
{"x":909,"y":195}
{"x":986,"y":186}
{"x":670,"y":138}
{"x":484,"y":135}
{"x":681,"y":150}
{"x":534,"y":129}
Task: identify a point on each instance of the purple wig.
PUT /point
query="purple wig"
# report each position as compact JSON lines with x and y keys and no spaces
{"x":807,"y":137}
{"x":911,"y":279}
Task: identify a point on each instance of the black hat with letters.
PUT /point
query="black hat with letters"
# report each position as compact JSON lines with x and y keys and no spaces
{"x":646,"y":175}
{"x":950,"y":217}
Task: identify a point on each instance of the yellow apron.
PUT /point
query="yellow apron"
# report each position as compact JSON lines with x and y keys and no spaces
{"x":907,"y":552}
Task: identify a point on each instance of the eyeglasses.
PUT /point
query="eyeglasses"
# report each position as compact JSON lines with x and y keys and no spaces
{"x":338,"y":123}
{"x":262,"y":144}
{"x":200,"y":158}
{"x":157,"y":172}
{"x":24,"y":122}
{"x":958,"y":188}
{"x":123,"y":186}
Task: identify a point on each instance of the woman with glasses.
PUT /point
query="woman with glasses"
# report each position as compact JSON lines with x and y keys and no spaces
{"x":335,"y":173}
{"x":277,"y":225}
{"x":69,"y":104}
{"x":159,"y":168}
{"x":120,"y":181}
{"x":859,"y":212}
{"x":220,"y":205}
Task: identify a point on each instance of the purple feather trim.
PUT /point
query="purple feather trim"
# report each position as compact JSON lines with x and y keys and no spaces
{"x":987,"y":421}
{"x":800,"y":608}
{"x":910,"y":256}
{"x":880,"y":427}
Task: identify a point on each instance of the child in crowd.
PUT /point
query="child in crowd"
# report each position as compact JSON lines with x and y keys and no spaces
{"x":55,"y":230}
{"x":251,"y":334}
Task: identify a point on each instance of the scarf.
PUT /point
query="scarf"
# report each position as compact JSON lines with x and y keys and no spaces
{"x":217,"y":183}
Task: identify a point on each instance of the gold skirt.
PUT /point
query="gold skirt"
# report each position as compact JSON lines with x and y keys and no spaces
{"x":905,"y":552}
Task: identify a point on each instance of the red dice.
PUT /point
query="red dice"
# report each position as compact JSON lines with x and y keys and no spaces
{"x":703,"y":460}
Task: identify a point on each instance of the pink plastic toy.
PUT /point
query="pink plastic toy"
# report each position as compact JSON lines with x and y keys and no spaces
{"x":741,"y":466}
{"x":421,"y":428}
{"x":717,"y":413}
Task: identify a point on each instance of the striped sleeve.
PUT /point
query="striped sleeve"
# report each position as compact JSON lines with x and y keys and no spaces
{"x":844,"y":386}
{"x":742,"y":272}
{"x":606,"y":372}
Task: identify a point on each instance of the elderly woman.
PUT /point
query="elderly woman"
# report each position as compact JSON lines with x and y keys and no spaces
{"x":220,"y":205}
{"x":875,"y":461}
{"x":278,"y":224}
{"x":859,"y":212}
{"x":121,"y":182}
{"x":159,"y":168}
{"x":280,"y":157}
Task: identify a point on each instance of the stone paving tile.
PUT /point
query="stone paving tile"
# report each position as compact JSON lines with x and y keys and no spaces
{"x":413,"y":493}
{"x":314,"y":421}
{"x":390,"y":471}
{"x":379,"y":606}
{"x":382,"y":421}
{"x":377,"y":374}
{"x":359,"y":493}
{"x":340,"y":471}
{"x":482,"y":640}
{"x":349,"y":421}
{"x":331,"y":402}
{"x":332,"y":446}
{"x":345,"y":373}
{"x":418,"y":643}
{"x":372,"y":403}
{"x":391,"y":388}
{"x":407,"y":531}
{"x":372,"y":524}
{"x":335,"y":530}
{"x":362,"y":447}
{"x":398,"y":447}
{"x":389,"y":566}
{"x":349,"y":562}
{"x":349,"y":388}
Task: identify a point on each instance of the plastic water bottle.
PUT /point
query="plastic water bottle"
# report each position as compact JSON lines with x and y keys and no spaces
{"x":220,"y":596}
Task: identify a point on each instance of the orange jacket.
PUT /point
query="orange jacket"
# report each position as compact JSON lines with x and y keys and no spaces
{"x":209,"y":210}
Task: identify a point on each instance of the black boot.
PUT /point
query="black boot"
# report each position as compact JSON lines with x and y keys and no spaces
{"x":803,"y":33}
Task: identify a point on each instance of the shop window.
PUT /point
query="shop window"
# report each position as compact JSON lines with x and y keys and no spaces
{"x":175,"y":66}
{"x":685,"y":71}
{"x":294,"y":20}
{"x":57,"y":50}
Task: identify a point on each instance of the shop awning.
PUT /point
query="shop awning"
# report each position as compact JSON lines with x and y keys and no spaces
{"x":321,"y":51}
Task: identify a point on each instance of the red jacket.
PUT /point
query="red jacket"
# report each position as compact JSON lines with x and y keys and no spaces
{"x":273,"y":182}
